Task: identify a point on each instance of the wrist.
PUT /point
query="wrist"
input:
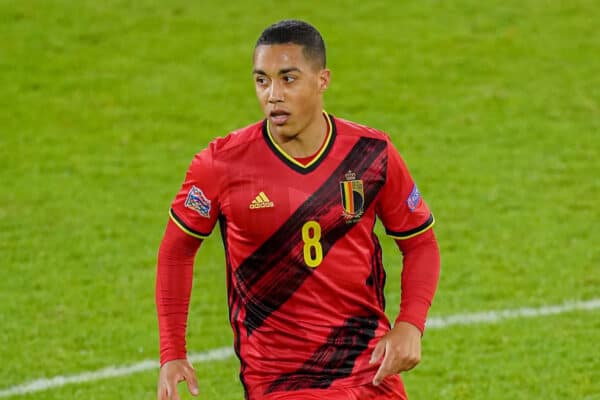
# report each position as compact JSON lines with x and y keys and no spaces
{"x":408,"y":323}
{"x":172,"y":356}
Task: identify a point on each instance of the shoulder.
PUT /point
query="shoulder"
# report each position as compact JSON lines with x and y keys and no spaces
{"x":350,"y":129}
{"x":222,"y":149}
{"x":236,"y":139}
{"x":345,"y":127}
{"x":354,"y":131}
{"x":231,"y":144}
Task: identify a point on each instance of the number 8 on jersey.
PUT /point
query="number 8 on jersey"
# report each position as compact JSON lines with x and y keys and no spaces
{"x":311,"y":236}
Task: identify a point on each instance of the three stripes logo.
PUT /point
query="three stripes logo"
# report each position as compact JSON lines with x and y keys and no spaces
{"x":261,"y":201}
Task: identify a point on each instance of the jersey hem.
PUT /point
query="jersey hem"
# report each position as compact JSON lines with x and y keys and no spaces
{"x":366,"y":378}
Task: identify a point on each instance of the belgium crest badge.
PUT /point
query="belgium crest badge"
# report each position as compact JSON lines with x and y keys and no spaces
{"x":353,"y":197}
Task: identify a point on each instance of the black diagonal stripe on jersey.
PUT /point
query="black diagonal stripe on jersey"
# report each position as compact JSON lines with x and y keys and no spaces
{"x":268,"y":277}
{"x":333,"y":360}
{"x":377,"y":277}
{"x":235,"y":305}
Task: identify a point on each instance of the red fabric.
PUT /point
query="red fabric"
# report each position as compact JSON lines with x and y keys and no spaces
{"x":420,"y":275}
{"x":305,"y":271}
{"x":306,"y":160}
{"x":391,"y":388}
{"x":173,"y":288}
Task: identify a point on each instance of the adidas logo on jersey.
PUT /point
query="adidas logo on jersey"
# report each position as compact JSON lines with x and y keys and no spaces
{"x":261,"y":201}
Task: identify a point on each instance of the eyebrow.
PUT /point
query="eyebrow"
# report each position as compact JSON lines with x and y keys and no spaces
{"x":281,"y":71}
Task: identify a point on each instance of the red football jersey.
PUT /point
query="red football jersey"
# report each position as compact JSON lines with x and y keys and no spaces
{"x":304,"y":267}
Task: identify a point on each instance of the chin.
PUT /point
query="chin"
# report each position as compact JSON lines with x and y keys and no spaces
{"x":284,"y":130}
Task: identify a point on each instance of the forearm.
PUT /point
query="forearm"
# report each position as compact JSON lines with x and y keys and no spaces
{"x":420,"y":275}
{"x":173,"y":290}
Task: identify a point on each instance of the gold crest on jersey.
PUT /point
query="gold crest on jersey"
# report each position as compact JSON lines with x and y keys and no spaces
{"x":353,"y":197}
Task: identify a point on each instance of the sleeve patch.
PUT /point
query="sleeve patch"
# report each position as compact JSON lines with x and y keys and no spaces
{"x":197,"y":201}
{"x":413,"y":199}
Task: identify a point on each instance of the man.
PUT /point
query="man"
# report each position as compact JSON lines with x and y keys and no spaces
{"x":296,"y":197}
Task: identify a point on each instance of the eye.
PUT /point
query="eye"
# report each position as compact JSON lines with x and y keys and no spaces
{"x":260,"y":80}
{"x":289,"y":78}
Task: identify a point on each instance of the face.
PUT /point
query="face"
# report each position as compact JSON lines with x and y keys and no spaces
{"x":289,"y":88}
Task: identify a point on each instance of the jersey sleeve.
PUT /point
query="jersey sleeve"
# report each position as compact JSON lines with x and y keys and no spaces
{"x":400,"y":207}
{"x":195,"y":209}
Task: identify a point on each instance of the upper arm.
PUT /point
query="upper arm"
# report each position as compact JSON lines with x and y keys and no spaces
{"x":195,"y":209}
{"x":400,"y":206}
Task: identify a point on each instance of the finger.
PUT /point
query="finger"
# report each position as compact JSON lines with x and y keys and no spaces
{"x":384,"y":369}
{"x":409,"y":363}
{"x":174,"y":395}
{"x":378,"y":352}
{"x":382,"y":372}
{"x":162,"y":393}
{"x":407,"y":360}
{"x":192,"y":382}
{"x":172,"y":392}
{"x":163,"y":390}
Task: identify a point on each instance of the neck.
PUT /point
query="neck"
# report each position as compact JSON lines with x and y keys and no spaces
{"x":306,"y":142}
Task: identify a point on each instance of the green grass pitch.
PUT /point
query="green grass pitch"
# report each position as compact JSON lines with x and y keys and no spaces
{"x":494,"y":105}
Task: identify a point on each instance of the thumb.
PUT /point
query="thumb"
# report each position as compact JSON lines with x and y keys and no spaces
{"x":378,"y":352}
{"x":192,"y":383}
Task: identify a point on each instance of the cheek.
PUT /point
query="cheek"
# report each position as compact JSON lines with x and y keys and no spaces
{"x":261,"y":95}
{"x":307,"y":98}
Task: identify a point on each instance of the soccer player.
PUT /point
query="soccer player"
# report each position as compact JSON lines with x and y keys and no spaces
{"x":296,"y":196}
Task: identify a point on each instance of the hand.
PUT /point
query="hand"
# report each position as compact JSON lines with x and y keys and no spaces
{"x":400,"y":349}
{"x":173,"y":372}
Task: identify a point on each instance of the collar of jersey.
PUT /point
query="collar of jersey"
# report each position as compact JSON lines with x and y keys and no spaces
{"x":291,"y":161}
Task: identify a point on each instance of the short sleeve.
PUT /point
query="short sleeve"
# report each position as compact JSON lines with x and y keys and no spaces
{"x":195,"y":209}
{"x":400,"y":207}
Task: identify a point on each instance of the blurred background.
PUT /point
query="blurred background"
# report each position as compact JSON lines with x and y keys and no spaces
{"x":494,"y":105}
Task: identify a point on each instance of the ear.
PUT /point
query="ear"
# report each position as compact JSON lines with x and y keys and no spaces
{"x":324,"y":79}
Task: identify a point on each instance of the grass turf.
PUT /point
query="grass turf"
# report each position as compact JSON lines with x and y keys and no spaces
{"x":494,"y":106}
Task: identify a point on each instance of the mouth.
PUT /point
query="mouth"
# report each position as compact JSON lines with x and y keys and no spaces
{"x":279,"y":117}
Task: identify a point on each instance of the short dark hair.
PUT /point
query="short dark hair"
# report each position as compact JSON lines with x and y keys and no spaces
{"x":296,"y":32}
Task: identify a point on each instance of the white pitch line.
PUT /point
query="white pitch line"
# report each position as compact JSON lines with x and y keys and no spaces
{"x":223,"y":353}
{"x":489,"y":317}
{"x":39,"y":385}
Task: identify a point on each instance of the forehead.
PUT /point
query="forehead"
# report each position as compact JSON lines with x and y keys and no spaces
{"x":276,"y":57}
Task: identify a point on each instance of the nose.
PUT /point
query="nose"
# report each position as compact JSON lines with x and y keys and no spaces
{"x":276,"y":93}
